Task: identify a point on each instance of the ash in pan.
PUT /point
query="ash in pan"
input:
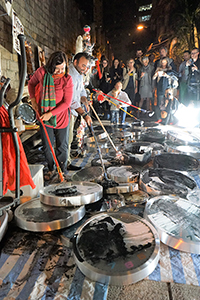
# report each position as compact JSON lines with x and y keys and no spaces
{"x":173,"y":177}
{"x":39,"y":215}
{"x":182,"y":214}
{"x":105,"y":240}
{"x":174,"y":161}
{"x":171,"y":182}
{"x":107,"y":183}
{"x":63,"y":192}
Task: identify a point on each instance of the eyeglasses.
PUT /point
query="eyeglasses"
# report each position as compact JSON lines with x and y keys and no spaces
{"x":194,"y":53}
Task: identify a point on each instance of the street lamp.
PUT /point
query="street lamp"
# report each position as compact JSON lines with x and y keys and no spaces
{"x":140,"y":27}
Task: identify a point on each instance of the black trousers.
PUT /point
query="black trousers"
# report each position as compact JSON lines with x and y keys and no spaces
{"x":60,"y":137}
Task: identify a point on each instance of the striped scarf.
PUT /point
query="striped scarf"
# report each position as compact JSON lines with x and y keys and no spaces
{"x":49,"y":98}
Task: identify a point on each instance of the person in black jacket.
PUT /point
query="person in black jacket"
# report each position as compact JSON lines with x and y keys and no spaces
{"x":105,"y":87}
{"x":163,"y":54}
{"x":115,"y":72}
{"x":193,"y":71}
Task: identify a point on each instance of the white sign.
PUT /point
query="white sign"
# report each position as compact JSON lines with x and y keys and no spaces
{"x":17,"y":28}
{"x":8,"y":4}
{"x":0,"y":64}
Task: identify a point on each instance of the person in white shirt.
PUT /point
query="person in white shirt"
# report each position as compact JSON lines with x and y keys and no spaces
{"x":79,"y":67}
{"x":114,"y":108}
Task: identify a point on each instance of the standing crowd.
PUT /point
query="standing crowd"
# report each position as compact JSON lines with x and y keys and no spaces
{"x":154,"y":85}
{"x":58,"y":94}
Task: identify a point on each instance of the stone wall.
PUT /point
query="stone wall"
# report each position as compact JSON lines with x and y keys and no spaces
{"x":50,"y":24}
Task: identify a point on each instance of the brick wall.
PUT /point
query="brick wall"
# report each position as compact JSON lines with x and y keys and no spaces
{"x":50,"y":24}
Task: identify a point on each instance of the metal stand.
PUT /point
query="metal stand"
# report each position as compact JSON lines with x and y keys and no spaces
{"x":12,"y":129}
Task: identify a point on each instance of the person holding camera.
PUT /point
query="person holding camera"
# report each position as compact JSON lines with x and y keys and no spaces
{"x":193,"y":71}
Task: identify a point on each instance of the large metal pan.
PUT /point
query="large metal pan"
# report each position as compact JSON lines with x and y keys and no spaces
{"x":35,"y":216}
{"x":177,"y":222}
{"x":84,"y":193}
{"x":116,"y":248}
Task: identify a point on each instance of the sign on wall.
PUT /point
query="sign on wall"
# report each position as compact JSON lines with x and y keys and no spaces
{"x":17,"y":28}
{"x":8,"y":4}
{"x":0,"y":64}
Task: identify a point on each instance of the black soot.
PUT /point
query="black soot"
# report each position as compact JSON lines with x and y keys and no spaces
{"x":174,"y":161}
{"x":41,"y":216}
{"x":105,"y":240}
{"x":64,"y":192}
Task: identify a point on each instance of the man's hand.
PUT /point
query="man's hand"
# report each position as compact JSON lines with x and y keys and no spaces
{"x":136,"y":90}
{"x":88,"y":120}
{"x":85,"y":102}
{"x":194,"y":68}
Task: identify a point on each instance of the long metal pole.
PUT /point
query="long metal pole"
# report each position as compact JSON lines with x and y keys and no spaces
{"x":103,"y":126}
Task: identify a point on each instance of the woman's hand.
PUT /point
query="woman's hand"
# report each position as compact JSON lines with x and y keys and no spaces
{"x":46,"y":116}
{"x":142,"y":74}
{"x":155,"y":75}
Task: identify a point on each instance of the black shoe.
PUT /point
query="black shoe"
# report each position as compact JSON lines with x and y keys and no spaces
{"x":73,"y":168}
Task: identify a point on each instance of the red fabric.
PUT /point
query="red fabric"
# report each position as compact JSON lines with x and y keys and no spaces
{"x":9,"y":158}
{"x":57,"y":76}
{"x":100,"y":98}
{"x":64,"y":93}
{"x":98,"y":69}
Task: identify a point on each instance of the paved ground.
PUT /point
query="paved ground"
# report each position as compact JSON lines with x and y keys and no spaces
{"x":152,"y":290}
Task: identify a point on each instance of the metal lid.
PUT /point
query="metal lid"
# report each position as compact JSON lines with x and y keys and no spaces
{"x":180,"y":137}
{"x":85,"y":193}
{"x":193,"y":151}
{"x":116,"y":248}
{"x":35,"y":216}
{"x":3,"y":223}
{"x":122,"y":188}
{"x":175,"y":161}
{"x":177,"y":222}
{"x":153,"y":135}
{"x":123,"y":174}
{"x":93,"y":173}
{"x":164,"y":181}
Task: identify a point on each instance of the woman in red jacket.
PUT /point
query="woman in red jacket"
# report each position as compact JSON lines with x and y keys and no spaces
{"x":51,"y":90}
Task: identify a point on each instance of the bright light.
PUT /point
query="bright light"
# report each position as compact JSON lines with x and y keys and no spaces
{"x":140,"y":27}
{"x":187,"y":116}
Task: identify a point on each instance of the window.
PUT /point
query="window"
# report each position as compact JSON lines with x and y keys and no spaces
{"x":145,"y":7}
{"x":144,"y":18}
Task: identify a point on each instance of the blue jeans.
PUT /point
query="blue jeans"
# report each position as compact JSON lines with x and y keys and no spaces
{"x":114,"y":116}
{"x":123,"y":114}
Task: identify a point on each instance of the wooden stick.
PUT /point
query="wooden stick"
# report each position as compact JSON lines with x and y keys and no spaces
{"x":122,"y":109}
{"x":52,"y":151}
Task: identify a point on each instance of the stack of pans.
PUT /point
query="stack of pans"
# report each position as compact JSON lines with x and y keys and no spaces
{"x":59,"y":206}
{"x":182,"y":142}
